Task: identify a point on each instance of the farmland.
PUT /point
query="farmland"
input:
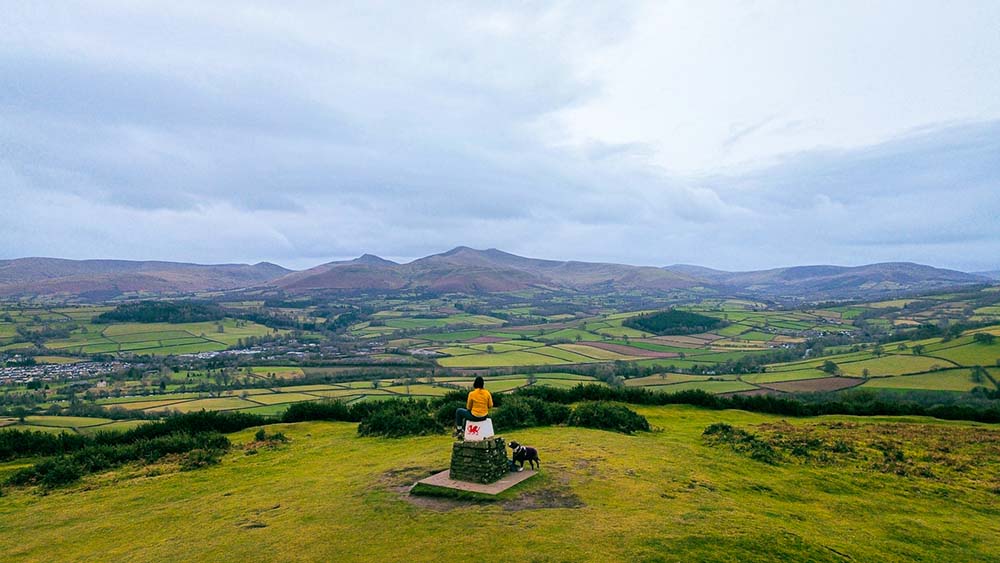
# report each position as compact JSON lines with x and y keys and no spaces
{"x":273,"y":401}
{"x":73,"y":332}
{"x":429,"y":335}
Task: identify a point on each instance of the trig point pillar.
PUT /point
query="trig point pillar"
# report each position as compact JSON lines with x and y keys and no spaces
{"x":481,"y":461}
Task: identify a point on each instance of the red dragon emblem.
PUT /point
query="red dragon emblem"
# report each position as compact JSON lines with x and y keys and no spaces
{"x":473,"y":430}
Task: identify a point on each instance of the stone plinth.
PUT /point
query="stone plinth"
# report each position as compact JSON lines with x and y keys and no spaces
{"x":483,"y":461}
{"x":443,"y":480}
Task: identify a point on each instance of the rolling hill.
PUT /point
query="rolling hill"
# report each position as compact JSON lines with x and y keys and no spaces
{"x":833,"y":282}
{"x":466,"y":270}
{"x":470,"y":270}
{"x":102,"y":279}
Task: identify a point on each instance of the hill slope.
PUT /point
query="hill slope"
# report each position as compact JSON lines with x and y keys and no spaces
{"x":471,"y":270}
{"x":663,"y":496}
{"x":109,"y":278}
{"x":468,"y":270}
{"x":832,"y":282}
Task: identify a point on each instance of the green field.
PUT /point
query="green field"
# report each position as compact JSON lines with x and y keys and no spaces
{"x":157,"y":338}
{"x":663,"y":379}
{"x":660,"y":496}
{"x":71,"y":424}
{"x":893,"y":365}
{"x":708,"y":386}
{"x":791,"y":375}
{"x":971,"y":354}
{"x":65,"y":421}
{"x":280,"y":372}
{"x":950,"y":380}
{"x":496,"y":360}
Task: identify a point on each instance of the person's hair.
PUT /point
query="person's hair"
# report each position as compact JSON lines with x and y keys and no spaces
{"x":478,"y":383}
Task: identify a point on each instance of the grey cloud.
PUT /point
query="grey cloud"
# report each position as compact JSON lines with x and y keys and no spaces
{"x":299,"y":140}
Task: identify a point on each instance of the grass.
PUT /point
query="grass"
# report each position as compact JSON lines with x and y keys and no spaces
{"x":158,"y":338}
{"x":65,"y":421}
{"x":518,"y":358}
{"x":893,"y":365}
{"x":972,"y":354}
{"x":595,"y":353}
{"x":568,"y":354}
{"x":950,"y":380}
{"x":222,"y":403}
{"x":662,"y":496}
{"x":570,"y":334}
{"x":729,"y":386}
{"x":793,"y":375}
{"x":57,"y":360}
{"x":663,"y":379}
{"x":280,"y":372}
{"x":277,"y":398}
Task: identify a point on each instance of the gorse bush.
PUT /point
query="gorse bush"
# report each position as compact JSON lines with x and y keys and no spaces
{"x":524,"y":412}
{"x":198,"y":458}
{"x":66,"y":469}
{"x":77,"y":455}
{"x":394,"y":419}
{"x":30,"y":443}
{"x":743,"y":442}
{"x":857,"y":403}
{"x":320,"y":410}
{"x":608,"y":416}
{"x":24,"y":443}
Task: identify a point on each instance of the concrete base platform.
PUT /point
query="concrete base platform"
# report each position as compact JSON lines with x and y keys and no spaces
{"x":444,"y":480}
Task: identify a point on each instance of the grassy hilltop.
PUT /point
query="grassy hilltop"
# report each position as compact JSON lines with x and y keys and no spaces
{"x":661,"y":496}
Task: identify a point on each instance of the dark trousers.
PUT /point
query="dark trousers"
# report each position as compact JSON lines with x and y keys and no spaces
{"x":461,"y":415}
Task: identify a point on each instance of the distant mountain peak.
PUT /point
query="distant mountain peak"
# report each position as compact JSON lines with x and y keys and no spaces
{"x":373,"y":260}
{"x":463,"y":250}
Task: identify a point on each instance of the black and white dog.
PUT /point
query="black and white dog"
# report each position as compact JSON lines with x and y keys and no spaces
{"x":525,"y":453}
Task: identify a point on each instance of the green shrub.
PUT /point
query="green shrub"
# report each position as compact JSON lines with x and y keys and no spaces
{"x":445,"y":413}
{"x":743,"y":442}
{"x":49,"y":473}
{"x":608,"y":416}
{"x":321,"y":410}
{"x":524,"y":412}
{"x":396,"y":418}
{"x":262,"y":436}
{"x":198,"y":458}
{"x":58,"y":471}
{"x":91,"y":459}
{"x":515,"y":413}
{"x":28,"y":443}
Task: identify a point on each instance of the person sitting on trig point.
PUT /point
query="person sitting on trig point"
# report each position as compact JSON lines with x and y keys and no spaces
{"x":477,"y":407}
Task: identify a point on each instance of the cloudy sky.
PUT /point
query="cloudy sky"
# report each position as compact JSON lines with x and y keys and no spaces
{"x":737,"y":135}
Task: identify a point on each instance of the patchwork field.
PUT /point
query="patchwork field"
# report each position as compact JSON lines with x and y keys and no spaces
{"x":157,"y":338}
{"x":273,"y":401}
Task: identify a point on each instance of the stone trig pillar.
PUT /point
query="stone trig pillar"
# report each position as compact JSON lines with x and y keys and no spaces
{"x":482,"y":461}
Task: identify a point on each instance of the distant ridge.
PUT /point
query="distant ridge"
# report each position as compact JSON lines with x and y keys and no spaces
{"x":993,"y":275}
{"x":468,"y":270}
{"x":464,"y":269}
{"x":105,"y":279}
{"x":823,"y":281}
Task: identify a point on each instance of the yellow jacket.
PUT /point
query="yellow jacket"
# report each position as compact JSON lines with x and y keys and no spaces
{"x":479,"y":402}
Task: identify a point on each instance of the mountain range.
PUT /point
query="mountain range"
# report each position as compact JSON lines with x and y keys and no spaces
{"x":104,"y":279}
{"x":466,"y":270}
